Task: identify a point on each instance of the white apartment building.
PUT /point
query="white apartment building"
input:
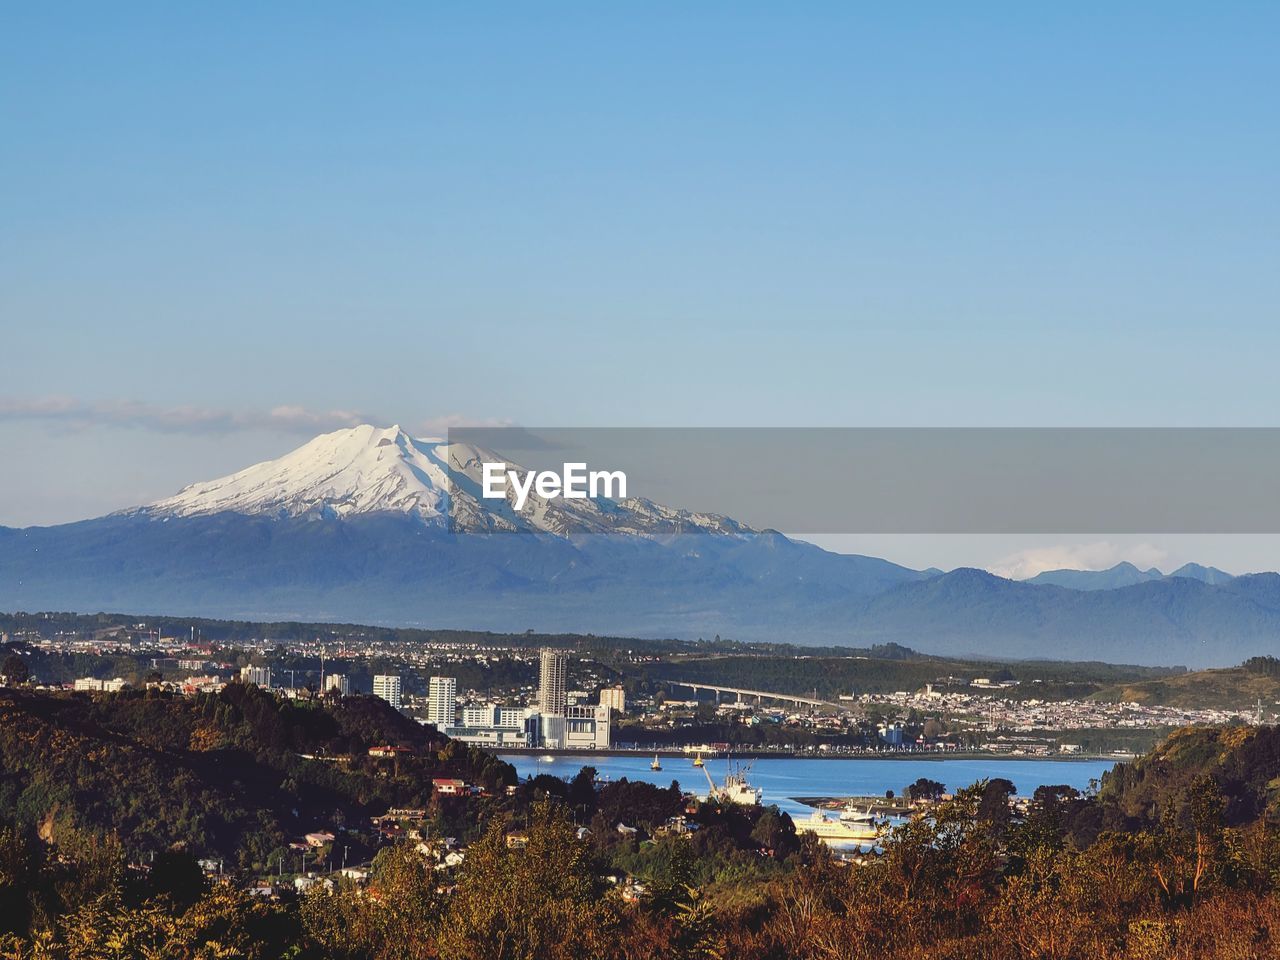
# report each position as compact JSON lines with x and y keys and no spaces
{"x":579,"y":728}
{"x":339,"y":681}
{"x":259,"y":675}
{"x":387,"y":686}
{"x":442,"y":701}
{"x":101,"y":686}
{"x":615,"y":698}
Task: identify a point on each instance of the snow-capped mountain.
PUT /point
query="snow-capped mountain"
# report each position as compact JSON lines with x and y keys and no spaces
{"x":348,"y":472}
{"x":361,"y":526}
{"x":370,"y":470}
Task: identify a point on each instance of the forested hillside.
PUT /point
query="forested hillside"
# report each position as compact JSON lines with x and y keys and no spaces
{"x":217,"y":775}
{"x":106,"y":799}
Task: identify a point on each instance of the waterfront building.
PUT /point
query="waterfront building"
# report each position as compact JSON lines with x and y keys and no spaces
{"x":553,"y":669}
{"x":492,"y":726}
{"x":492,"y":738}
{"x":479,"y":715}
{"x":578,"y":728}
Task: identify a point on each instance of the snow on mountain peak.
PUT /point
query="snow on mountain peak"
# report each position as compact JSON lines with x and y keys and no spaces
{"x":362,"y":469}
{"x":366,"y":469}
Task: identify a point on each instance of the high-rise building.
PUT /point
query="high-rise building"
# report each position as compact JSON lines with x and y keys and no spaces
{"x":615,"y":698}
{"x":551,"y":677}
{"x":259,"y":675}
{"x":442,"y":701}
{"x":387,"y":686}
{"x":336,"y":681}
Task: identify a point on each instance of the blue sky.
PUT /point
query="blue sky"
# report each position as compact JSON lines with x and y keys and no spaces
{"x":605,"y":214}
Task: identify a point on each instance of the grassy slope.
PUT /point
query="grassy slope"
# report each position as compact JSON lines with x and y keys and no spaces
{"x":1232,"y":688}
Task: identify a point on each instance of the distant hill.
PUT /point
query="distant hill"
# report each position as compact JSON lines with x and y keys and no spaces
{"x":1210,"y":575}
{"x":1121,"y":575}
{"x":1173,"y":620}
{"x":1230,"y":688}
{"x":1125,"y":575}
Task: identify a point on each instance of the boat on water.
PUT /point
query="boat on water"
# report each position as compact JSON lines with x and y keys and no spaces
{"x":735,"y":789}
{"x":546,"y":758}
{"x":851,"y":814}
{"x":697,"y":760}
{"x":838,"y":831}
{"x":655,"y":765}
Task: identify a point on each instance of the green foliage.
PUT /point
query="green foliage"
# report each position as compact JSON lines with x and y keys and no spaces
{"x":219,"y":775}
{"x":1177,"y":858}
{"x":392,"y":919}
{"x":925,"y":789}
{"x":14,"y":670}
{"x":542,"y":901}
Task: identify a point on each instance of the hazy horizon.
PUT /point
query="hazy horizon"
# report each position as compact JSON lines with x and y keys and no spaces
{"x":297,"y":220}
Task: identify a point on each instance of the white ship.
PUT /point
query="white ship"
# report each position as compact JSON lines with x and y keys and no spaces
{"x":840,"y":831}
{"x":851,"y":814}
{"x":736,"y":789}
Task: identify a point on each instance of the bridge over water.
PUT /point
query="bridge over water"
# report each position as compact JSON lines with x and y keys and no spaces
{"x":759,"y":695}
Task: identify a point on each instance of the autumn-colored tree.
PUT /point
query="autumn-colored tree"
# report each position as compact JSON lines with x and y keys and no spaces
{"x":541,"y":901}
{"x":394,"y":917}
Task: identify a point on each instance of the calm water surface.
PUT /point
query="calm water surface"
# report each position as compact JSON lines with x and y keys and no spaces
{"x":784,"y":778}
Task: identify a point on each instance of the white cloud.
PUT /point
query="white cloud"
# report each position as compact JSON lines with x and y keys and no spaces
{"x":1078,"y":556}
{"x":78,"y":413}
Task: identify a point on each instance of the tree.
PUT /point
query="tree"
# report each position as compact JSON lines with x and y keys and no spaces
{"x":925,"y":789}
{"x":395,"y":919}
{"x":994,"y":806}
{"x":582,"y":793}
{"x":15,"y":670}
{"x":670,"y":873}
{"x":542,"y":901}
{"x":178,"y":876}
{"x":774,"y":831}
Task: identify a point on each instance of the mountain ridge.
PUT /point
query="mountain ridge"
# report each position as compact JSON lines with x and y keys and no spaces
{"x":367,"y":470}
{"x":1125,"y":574}
{"x":352,"y":527}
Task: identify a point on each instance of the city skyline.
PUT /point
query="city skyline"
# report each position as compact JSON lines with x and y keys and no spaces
{"x":508,"y":482}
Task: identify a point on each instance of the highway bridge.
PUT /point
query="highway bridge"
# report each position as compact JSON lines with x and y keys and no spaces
{"x":742,"y":693}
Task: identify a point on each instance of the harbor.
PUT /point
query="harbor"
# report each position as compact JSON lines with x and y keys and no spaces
{"x":801,"y":786}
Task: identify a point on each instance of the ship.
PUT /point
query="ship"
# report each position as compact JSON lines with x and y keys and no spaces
{"x":851,"y":814}
{"x":655,"y":765}
{"x":697,"y":760}
{"x":736,"y":789}
{"x":838,"y":831}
